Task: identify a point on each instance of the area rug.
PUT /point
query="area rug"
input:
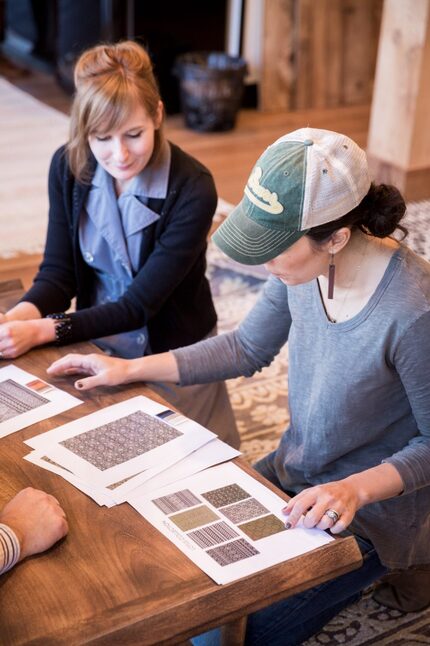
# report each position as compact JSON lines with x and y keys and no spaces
{"x":260,"y":406}
{"x":30,"y":133}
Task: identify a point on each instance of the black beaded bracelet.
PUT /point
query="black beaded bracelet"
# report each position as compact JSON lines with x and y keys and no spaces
{"x":63,"y":327}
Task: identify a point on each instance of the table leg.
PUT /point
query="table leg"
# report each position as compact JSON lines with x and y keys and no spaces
{"x":233,"y":634}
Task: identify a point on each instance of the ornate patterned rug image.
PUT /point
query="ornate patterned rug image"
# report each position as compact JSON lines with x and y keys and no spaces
{"x":260,"y":406}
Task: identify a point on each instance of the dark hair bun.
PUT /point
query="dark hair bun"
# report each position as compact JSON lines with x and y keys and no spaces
{"x":384,"y":208}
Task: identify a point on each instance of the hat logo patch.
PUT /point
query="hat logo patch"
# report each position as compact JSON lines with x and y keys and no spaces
{"x":260,"y":196}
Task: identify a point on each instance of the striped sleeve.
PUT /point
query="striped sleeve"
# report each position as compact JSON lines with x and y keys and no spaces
{"x":9,"y":548}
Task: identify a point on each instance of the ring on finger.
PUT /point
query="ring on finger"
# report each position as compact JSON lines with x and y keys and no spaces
{"x":332,"y":514}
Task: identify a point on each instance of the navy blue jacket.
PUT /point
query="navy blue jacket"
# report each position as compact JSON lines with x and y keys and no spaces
{"x":170,"y":293}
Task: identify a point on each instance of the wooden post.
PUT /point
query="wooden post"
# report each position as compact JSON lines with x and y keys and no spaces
{"x":399,"y":134}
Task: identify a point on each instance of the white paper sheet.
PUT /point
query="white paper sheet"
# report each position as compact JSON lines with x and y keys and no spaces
{"x":100,"y":496}
{"x":25,"y":399}
{"x":120,"y":441}
{"x":214,"y":452}
{"x":236,"y":531}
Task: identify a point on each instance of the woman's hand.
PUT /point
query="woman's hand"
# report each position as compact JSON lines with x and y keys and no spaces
{"x":341,"y":497}
{"x":344,"y":497}
{"x":17,"y":337}
{"x":103,"y":370}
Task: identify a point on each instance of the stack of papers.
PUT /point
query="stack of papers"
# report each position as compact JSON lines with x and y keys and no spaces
{"x":137,"y":445}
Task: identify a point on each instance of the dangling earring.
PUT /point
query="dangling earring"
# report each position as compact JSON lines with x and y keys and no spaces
{"x":331,"y":274}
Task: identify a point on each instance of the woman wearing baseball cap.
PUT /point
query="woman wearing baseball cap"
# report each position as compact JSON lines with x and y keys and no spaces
{"x":353,"y":304}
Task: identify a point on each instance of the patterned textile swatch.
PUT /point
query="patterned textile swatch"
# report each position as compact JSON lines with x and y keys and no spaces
{"x":121,"y":440}
{"x":244,"y":510}
{"x":262,"y":527}
{"x":213,"y":534}
{"x":176,"y":501}
{"x":193,"y":518}
{"x":232,"y":552}
{"x":225,"y":495}
{"x":16,"y":399}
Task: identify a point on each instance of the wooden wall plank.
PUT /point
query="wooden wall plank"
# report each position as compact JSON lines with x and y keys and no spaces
{"x":333,"y":53}
{"x":361,"y":31}
{"x":277,"y":79}
{"x":332,"y":47}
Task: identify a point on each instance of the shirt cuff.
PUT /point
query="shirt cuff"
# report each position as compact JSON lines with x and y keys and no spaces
{"x":10,"y":549}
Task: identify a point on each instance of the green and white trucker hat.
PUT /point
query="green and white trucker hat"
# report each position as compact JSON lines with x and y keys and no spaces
{"x":306,"y":178}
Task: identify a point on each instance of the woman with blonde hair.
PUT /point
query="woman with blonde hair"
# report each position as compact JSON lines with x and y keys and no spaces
{"x":128,"y":220}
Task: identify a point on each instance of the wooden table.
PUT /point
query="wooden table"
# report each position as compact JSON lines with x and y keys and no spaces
{"x":115,"y":579}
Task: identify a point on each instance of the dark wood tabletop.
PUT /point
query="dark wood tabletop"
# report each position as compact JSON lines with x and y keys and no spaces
{"x":115,"y":579}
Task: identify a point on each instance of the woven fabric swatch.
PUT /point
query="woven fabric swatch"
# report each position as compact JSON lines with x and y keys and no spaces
{"x":193,"y":518}
{"x":176,"y":501}
{"x":232,"y":552}
{"x":262,"y":527}
{"x":225,"y":495}
{"x":213,"y":534}
{"x":16,"y":399}
{"x":244,"y":510}
{"x":121,"y":440}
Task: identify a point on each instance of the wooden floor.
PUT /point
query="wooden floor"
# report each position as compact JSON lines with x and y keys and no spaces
{"x":229,"y":155}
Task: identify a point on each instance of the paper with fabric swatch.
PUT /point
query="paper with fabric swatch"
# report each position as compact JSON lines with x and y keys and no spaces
{"x":25,"y":399}
{"x":120,"y":441}
{"x":226,"y":522}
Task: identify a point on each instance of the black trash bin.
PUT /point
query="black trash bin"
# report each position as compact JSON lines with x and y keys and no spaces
{"x":211,"y":88}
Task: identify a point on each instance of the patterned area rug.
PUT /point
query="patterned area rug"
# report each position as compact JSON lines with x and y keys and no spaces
{"x":260,"y":405}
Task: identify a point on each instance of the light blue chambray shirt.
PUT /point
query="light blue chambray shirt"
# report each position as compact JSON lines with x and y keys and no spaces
{"x":110,"y":237}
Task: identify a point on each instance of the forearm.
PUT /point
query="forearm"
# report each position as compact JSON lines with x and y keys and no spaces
{"x":375,"y":484}
{"x":156,"y":367}
{"x":24,"y":311}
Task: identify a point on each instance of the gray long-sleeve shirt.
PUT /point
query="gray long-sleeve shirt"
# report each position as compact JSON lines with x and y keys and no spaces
{"x":359,"y":393}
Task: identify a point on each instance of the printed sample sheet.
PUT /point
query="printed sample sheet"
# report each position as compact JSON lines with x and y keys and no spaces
{"x":226,"y":522}
{"x":206,"y":456}
{"x":214,"y":452}
{"x":136,"y":437}
{"x":26,"y":399}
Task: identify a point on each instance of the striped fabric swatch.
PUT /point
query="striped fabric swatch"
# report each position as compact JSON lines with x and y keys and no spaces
{"x":213,"y":534}
{"x":176,"y":501}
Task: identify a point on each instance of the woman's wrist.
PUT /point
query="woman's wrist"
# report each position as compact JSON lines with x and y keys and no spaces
{"x":375,"y":484}
{"x":154,"y":367}
{"x":44,"y":331}
{"x":134,"y":370}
